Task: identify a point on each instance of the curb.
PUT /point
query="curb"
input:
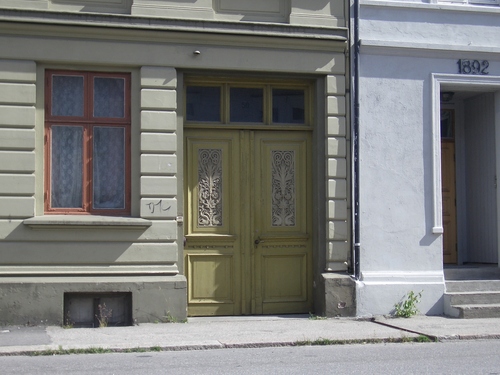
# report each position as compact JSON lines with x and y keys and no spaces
{"x":58,"y":350}
{"x":469,"y":337}
{"x":431,"y":337}
{"x":441,"y":338}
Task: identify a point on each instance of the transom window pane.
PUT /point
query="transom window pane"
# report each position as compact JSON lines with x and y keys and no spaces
{"x":109,"y":167}
{"x":66,"y":166}
{"x":67,"y":96}
{"x":288,"y":106}
{"x":109,"y":97}
{"x":203,"y":103}
{"x":246,"y":104}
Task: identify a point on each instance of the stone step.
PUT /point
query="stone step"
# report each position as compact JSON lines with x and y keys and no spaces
{"x":478,"y":311}
{"x":473,"y":298}
{"x":472,"y":286}
{"x":472,"y":273}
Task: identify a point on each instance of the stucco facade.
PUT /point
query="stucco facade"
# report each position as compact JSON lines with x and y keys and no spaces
{"x":418,"y":59}
{"x":47,"y":256}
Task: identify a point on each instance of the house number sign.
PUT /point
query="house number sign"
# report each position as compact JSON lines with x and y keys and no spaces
{"x":472,"y":66}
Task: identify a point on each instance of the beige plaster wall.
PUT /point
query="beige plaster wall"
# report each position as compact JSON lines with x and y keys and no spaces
{"x":337,"y":175}
{"x":37,"y":248}
{"x":295,"y":12}
{"x":17,"y":139}
{"x":34,"y":248}
{"x":67,"y":244}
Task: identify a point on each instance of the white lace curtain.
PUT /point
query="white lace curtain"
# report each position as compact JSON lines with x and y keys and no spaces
{"x":67,"y":166}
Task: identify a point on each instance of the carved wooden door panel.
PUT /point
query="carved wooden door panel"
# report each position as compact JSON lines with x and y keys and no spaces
{"x":248,"y":248}
{"x":212,"y":254}
{"x":283,"y":280}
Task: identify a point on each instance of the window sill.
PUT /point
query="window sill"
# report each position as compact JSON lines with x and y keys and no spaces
{"x":87,"y":222}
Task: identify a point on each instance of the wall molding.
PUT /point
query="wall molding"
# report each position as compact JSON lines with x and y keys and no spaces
{"x":447,"y":82}
{"x":401,"y":277}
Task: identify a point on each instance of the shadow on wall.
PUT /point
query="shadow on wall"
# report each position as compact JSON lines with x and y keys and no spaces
{"x":428,"y":239}
{"x":270,"y":10}
{"x":25,"y":246}
{"x":315,"y":5}
{"x":437,"y":308}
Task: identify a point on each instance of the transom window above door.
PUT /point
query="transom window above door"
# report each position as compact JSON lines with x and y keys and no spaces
{"x":87,"y":143}
{"x":250,"y":102}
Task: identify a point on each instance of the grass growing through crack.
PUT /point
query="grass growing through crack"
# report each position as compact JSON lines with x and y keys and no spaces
{"x":61,"y":351}
{"x":323,"y":341}
{"x":423,"y":338}
{"x":97,"y":350}
{"x":317,"y":342}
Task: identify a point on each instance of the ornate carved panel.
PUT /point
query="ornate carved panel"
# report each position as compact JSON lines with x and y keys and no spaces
{"x":283,"y":188}
{"x":209,"y":187}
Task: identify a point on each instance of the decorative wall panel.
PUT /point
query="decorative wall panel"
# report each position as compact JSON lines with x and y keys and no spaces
{"x":283,"y":188}
{"x":210,"y":187}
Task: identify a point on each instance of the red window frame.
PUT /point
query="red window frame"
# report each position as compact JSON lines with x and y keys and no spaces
{"x":87,"y":122}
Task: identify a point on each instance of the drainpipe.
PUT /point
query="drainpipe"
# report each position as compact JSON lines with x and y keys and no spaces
{"x":355,"y":136}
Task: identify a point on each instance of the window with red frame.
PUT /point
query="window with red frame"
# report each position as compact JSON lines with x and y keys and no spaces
{"x":87,"y":143}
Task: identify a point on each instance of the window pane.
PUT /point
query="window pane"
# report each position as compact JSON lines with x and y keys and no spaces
{"x":67,"y":96}
{"x":109,"y":167}
{"x":447,"y":124}
{"x":66,"y":166}
{"x":203,"y":103}
{"x":288,"y":106}
{"x":246,"y":105}
{"x":109,"y":97}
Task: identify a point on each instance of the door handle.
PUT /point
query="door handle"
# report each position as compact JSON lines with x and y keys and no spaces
{"x":258,"y":241}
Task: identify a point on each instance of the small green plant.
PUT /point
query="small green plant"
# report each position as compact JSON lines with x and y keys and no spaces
{"x":169,"y":318}
{"x":68,"y":323}
{"x":408,"y":306}
{"x":406,"y":339}
{"x":104,"y":315}
{"x":423,"y":338}
{"x":316,"y":317}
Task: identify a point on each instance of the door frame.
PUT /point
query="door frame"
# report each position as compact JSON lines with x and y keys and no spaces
{"x":456,"y":82}
{"x":314,"y":88}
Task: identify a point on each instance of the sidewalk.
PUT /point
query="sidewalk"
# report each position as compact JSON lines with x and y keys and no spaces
{"x":230,"y":332}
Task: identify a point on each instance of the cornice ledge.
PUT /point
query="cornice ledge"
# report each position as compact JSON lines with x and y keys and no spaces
{"x":431,"y":6}
{"x":86,"y":221}
{"x":120,"y":21}
{"x":422,"y":49}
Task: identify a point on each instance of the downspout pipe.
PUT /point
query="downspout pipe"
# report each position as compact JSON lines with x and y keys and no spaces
{"x":355,"y":44}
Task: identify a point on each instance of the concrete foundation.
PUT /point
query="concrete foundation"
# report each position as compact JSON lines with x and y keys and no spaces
{"x":40,"y":300}
{"x":338,"y":292}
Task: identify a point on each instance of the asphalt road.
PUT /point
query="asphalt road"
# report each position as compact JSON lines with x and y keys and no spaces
{"x":454,"y":357}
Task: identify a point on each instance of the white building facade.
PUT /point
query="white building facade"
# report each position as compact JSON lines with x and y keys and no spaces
{"x":429,"y":146}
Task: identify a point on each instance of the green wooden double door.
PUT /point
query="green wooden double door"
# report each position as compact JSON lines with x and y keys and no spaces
{"x":248,"y":232}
